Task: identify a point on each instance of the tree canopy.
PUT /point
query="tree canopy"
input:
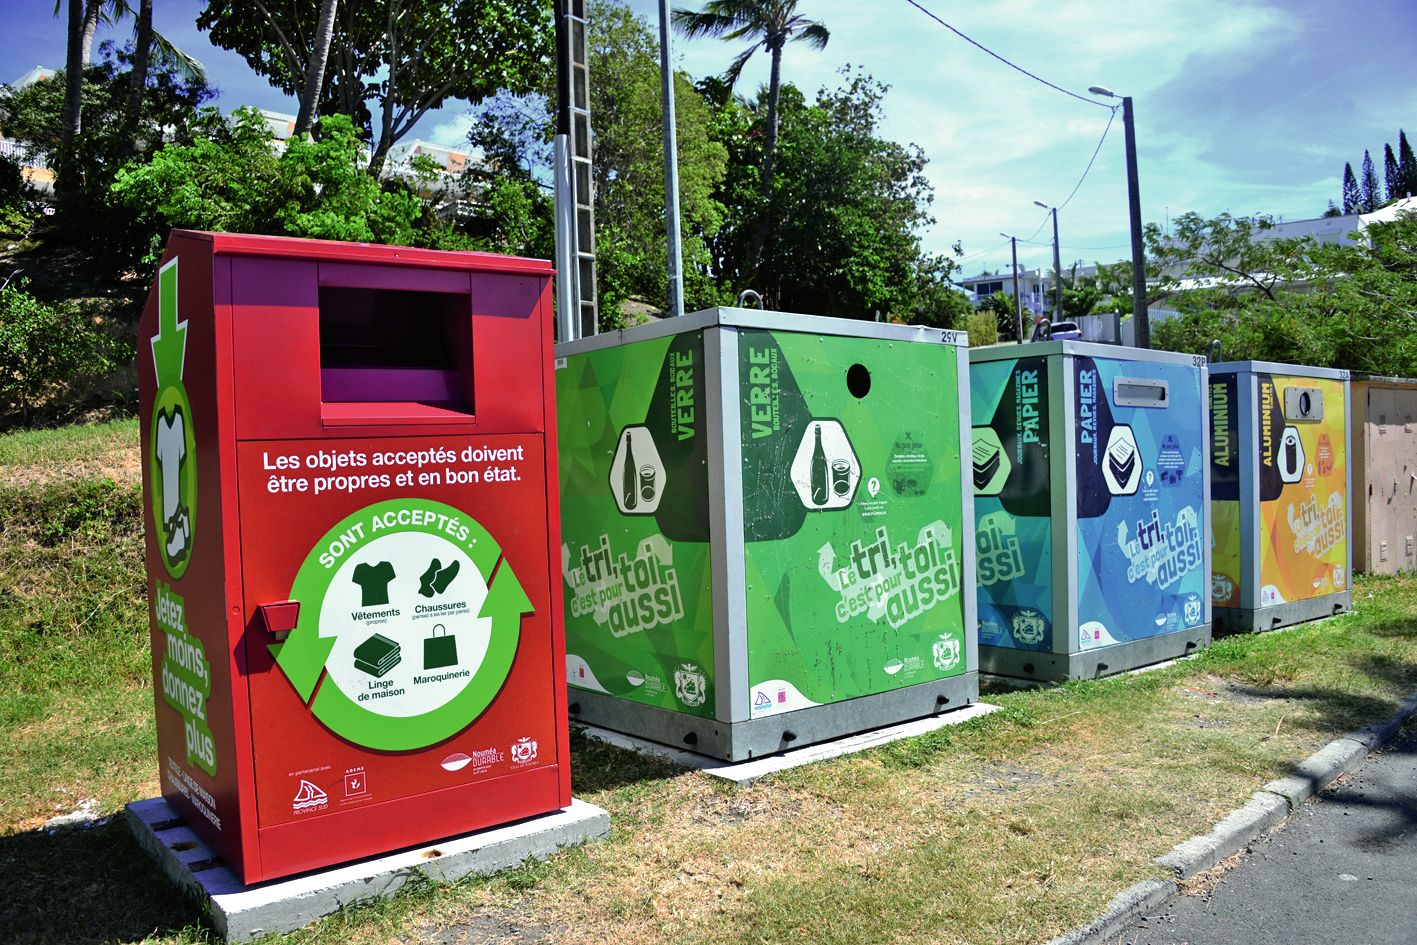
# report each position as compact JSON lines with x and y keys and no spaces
{"x":849,"y":207}
{"x":391,"y":61}
{"x":1348,"y":305}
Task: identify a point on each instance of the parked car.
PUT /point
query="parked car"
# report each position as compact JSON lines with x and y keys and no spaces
{"x":1065,"y":330}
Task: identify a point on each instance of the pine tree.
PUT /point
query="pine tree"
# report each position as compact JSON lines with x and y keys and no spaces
{"x":1406,"y":166}
{"x":1369,"y":196}
{"x":1350,"y":190}
{"x":1391,"y":175}
{"x":1332,"y":211}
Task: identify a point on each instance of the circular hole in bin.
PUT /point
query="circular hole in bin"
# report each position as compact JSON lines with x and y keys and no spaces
{"x":1304,"y":403}
{"x":858,"y":380}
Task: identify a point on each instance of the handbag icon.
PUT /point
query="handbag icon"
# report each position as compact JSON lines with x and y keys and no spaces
{"x":440,"y":651}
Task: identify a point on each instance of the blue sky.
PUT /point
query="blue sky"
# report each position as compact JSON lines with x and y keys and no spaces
{"x":1241,"y":106}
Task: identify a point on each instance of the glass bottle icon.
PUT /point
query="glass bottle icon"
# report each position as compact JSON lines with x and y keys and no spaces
{"x":628,"y":484}
{"x":819,"y":471}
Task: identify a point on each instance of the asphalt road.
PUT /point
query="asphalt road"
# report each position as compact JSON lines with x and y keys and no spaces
{"x":1342,"y":870}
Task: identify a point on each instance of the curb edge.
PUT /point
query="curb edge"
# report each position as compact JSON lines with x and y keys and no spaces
{"x":1267,"y":809}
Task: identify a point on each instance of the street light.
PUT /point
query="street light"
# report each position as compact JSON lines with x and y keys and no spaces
{"x":1018,"y":303}
{"x":1143,"y":321}
{"x":1057,"y":265}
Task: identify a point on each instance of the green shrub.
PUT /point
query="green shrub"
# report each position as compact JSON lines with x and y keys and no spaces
{"x":983,"y":328}
{"x":17,"y":207}
{"x":44,"y":348}
{"x":232,"y":180}
{"x":13,"y":188}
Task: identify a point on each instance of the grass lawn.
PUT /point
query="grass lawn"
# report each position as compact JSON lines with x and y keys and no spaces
{"x":95,"y":451}
{"x":1009,"y":828}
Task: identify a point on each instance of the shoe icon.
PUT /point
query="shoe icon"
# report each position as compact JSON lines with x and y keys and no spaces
{"x":436,"y":578}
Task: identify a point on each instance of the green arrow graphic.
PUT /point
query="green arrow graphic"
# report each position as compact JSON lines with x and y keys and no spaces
{"x":303,"y":654}
{"x":170,"y":342}
{"x":505,"y":597}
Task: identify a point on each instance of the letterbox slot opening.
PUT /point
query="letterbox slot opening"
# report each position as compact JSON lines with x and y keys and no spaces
{"x":408,"y":351}
{"x":1140,"y":392}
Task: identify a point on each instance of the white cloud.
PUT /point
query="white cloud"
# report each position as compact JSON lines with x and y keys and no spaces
{"x":1232,"y":112}
{"x":452,"y":132}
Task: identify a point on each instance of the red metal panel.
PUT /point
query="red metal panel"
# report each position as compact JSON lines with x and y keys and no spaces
{"x":362,"y":275}
{"x":424,"y":818}
{"x":278,"y":531}
{"x":275,"y":320}
{"x":242,"y":755}
{"x":283,"y":247}
{"x":211,"y":803}
{"x":253,"y":374}
{"x":509,"y":354}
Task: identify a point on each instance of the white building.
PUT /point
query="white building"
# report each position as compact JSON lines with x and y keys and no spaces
{"x":1035,"y":286}
{"x":34,"y":165}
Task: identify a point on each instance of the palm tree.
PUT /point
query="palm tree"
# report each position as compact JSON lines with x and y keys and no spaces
{"x":315,"y":68}
{"x":771,"y":25}
{"x":83,"y":22}
{"x":138,"y":77}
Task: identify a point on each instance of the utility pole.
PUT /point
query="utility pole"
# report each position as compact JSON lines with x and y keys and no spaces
{"x":1018,"y":302}
{"x":1057,"y":265}
{"x":1139,"y":311}
{"x":671,"y":166}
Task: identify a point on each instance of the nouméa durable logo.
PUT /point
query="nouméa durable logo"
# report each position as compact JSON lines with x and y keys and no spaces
{"x":172,"y":457}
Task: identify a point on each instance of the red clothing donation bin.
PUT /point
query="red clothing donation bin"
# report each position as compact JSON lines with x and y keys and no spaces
{"x":350,"y":471}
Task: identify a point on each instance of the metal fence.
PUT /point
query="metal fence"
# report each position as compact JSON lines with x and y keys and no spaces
{"x":23,"y":153}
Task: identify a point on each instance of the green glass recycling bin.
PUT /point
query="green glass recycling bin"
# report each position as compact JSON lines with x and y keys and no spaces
{"x":766,"y":530}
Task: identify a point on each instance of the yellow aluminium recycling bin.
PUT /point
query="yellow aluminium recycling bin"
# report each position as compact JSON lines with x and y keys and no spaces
{"x":1280,"y":487}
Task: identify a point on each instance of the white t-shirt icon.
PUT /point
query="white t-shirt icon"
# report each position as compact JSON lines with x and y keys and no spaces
{"x":170,"y":450}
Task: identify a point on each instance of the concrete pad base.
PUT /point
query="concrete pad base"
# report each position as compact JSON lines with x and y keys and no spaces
{"x":744,"y":773}
{"x":238,"y":912}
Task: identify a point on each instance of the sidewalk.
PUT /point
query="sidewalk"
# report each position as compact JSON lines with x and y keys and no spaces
{"x":1343,"y":869}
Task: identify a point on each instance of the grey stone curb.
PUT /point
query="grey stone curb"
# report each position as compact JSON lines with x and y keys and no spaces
{"x":1127,"y":905}
{"x":1261,"y":812}
{"x":1265,"y":810}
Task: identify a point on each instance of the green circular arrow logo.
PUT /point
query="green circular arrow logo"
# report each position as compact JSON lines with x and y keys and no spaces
{"x":408,"y":620}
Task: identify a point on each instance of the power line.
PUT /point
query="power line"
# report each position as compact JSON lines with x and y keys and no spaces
{"x":1011,"y":65}
{"x":1087,"y":170}
{"x":1076,"y":187}
{"x":1096,"y":151}
{"x":983,"y":252}
{"x":1076,"y":246}
{"x":1041,"y":224}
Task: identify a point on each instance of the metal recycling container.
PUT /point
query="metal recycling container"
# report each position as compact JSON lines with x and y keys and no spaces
{"x":765,"y":528}
{"x":1384,"y":453}
{"x":350,"y":481}
{"x":1090,"y":497}
{"x":1280,"y":487}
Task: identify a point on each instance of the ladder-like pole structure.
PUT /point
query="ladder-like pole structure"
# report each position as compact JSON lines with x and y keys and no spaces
{"x":573,"y":121}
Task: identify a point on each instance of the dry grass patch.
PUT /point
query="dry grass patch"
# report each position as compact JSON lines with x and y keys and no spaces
{"x":99,"y":451}
{"x":1009,"y":828}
